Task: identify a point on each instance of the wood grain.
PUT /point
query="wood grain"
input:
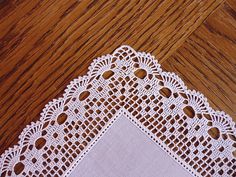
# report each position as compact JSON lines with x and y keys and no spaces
{"x":45,"y":44}
{"x":207,"y":60}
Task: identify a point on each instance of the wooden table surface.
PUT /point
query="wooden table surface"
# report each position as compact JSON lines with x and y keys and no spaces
{"x":45,"y":44}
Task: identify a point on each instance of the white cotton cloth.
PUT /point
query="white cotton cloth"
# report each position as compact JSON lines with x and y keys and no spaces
{"x":125,"y":151}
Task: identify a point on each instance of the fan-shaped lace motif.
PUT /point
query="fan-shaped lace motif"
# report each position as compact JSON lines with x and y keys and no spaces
{"x":179,"y":120}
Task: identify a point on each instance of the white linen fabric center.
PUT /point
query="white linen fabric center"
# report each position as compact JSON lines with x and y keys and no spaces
{"x":178,"y":120}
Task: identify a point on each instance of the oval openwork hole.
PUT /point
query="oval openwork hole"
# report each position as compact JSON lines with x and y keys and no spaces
{"x":166,"y":92}
{"x":188,"y":110}
{"x":197,"y":127}
{"x":61,"y":118}
{"x":18,"y":168}
{"x":83,"y":95}
{"x":224,"y":136}
{"x":232,"y":137}
{"x":39,"y":143}
{"x":207,"y":116}
{"x":23,"y":149}
{"x":122,"y":90}
{"x":184,"y":95}
{"x":34,"y":160}
{"x":214,"y":132}
{"x":172,"y":106}
{"x":234,"y":153}
{"x":140,"y":73}
{"x":176,"y":95}
{"x":107,"y":74}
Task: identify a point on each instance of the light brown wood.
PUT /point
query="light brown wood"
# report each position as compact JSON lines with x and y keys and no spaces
{"x":45,"y":44}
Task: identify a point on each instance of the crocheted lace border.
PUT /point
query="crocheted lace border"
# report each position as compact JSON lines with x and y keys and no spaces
{"x":179,"y":120}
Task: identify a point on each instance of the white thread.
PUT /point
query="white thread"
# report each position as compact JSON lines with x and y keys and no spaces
{"x":155,"y":102}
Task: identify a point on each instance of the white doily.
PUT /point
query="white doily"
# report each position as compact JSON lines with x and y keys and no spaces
{"x":179,"y":120}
